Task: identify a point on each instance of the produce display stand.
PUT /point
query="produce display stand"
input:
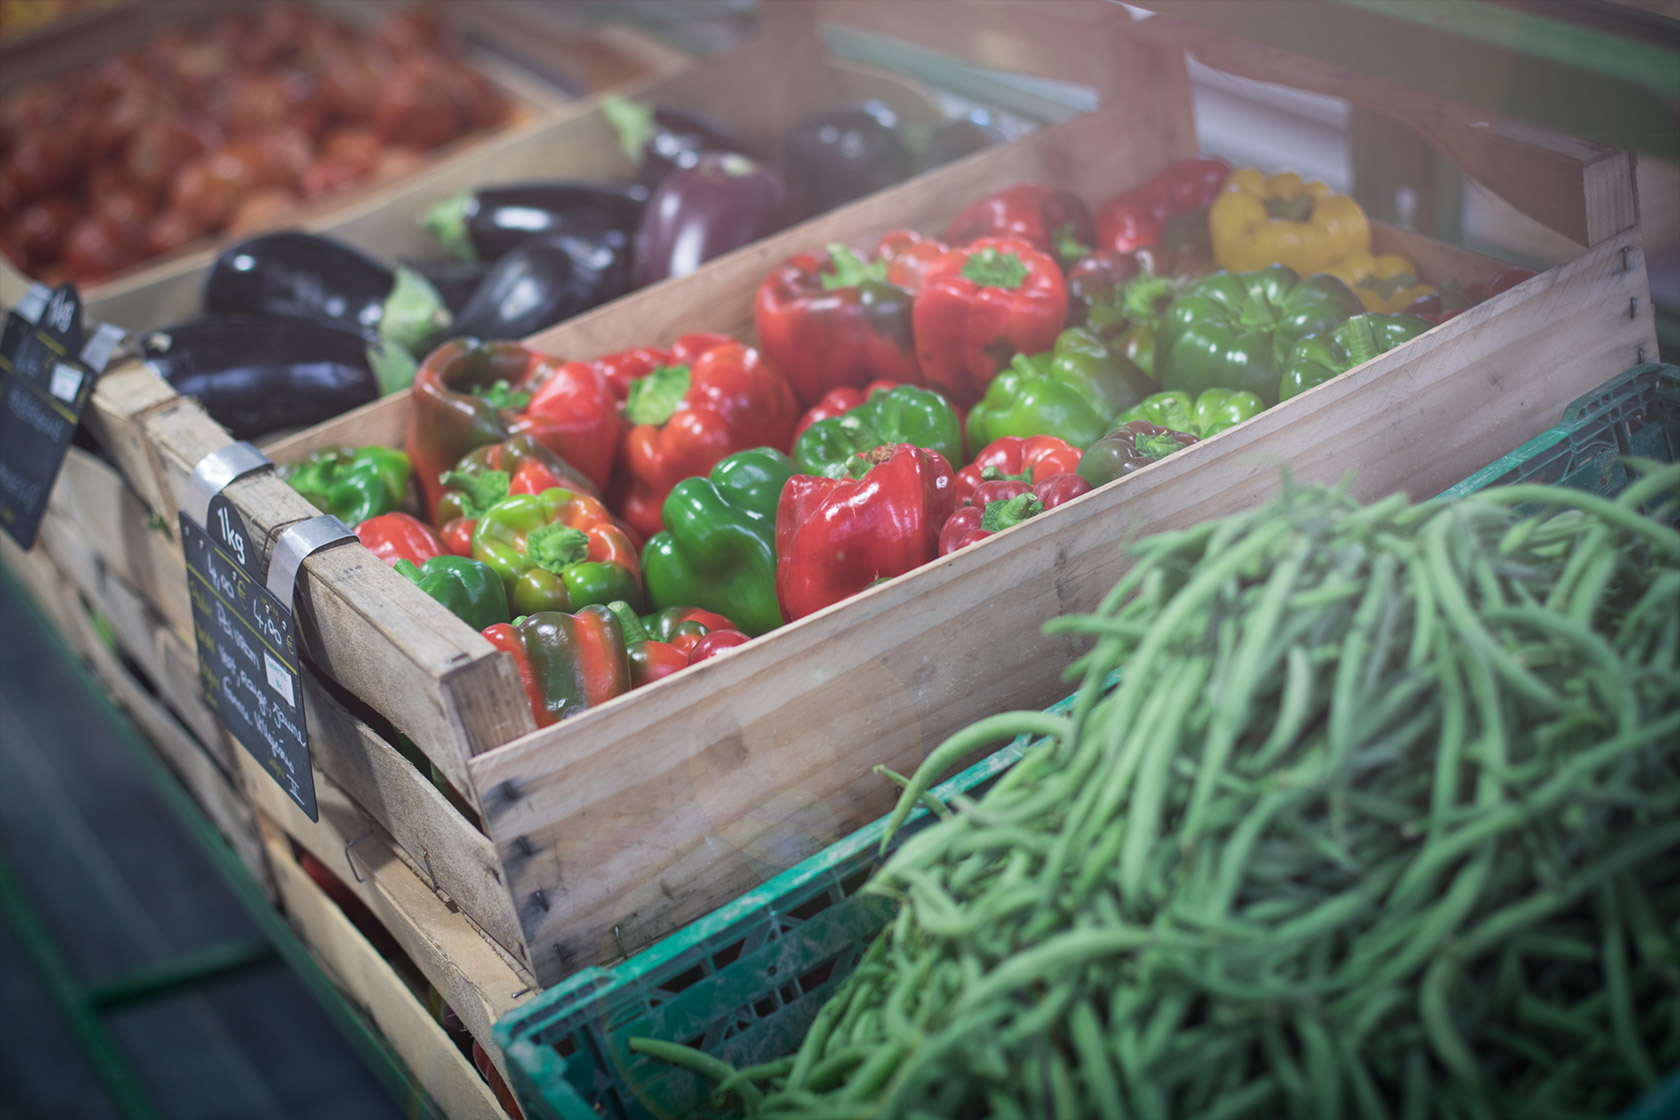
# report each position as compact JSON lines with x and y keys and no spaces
{"x":590,"y":840}
{"x":593,"y":60}
{"x":375,"y":1012}
{"x":753,"y":761}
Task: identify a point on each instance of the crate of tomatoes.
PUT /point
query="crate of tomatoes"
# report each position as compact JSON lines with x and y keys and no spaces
{"x":516,"y":688}
{"x":129,"y":147}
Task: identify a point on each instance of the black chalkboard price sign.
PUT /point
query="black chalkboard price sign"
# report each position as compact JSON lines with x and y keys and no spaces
{"x":45,"y":381}
{"x":247,"y":649}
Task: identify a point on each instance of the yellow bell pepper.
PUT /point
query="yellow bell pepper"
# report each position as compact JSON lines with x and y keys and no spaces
{"x":1385,"y":284}
{"x":1260,"y":221}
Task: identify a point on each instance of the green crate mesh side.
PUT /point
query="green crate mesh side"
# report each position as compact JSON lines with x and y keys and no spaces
{"x":1636,"y":413}
{"x":742,"y":983}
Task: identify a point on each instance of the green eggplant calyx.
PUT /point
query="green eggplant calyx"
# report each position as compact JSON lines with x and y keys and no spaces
{"x":995,"y":474}
{"x":447,"y":222}
{"x":1361,"y":342}
{"x":850,"y":271}
{"x":1157,"y":447}
{"x":991,"y":269}
{"x":501,"y":395}
{"x":1145,"y":298}
{"x":555,"y":547}
{"x":737,"y":166}
{"x":414,"y":313}
{"x":633,"y":122}
{"x":999,"y":516}
{"x":393,"y":367}
{"x":1297,"y":209}
{"x":629,"y":623}
{"x":653,"y":399}
{"x":479,"y":491}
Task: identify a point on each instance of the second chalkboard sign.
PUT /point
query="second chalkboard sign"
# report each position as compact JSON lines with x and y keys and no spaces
{"x":247,"y":649}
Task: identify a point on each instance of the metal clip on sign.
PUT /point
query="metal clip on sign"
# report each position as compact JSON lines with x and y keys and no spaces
{"x":216,"y":471}
{"x":298,"y":543}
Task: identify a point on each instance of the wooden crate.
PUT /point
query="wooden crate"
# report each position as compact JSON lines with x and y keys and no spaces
{"x":606,"y":57}
{"x":615,"y":827}
{"x":372,"y":985}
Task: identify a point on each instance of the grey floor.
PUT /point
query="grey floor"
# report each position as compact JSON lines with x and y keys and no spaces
{"x":123,"y":885}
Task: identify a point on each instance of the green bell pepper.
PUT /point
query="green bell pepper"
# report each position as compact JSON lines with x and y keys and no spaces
{"x":1317,"y":358}
{"x":1234,"y":330}
{"x":905,"y":414}
{"x":540,"y":544}
{"x":718,"y":549}
{"x":1209,"y":412}
{"x":1072,"y":391}
{"x":351,"y":483}
{"x":471,"y":589}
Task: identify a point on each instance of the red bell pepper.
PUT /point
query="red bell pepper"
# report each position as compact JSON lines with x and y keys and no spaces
{"x":486,"y":475}
{"x":715,"y":643}
{"x":1057,"y":223}
{"x":838,"y":402}
{"x":688,"y":417}
{"x":1001,"y":503}
{"x":567,"y":662}
{"x":1031,"y":459}
{"x":660,"y":644}
{"x":1139,"y":216}
{"x":834,"y":321}
{"x":469,"y":392}
{"x":400,"y":536}
{"x":834,"y":537}
{"x":908,"y":255}
{"x":980,"y":306}
{"x":623,"y":368}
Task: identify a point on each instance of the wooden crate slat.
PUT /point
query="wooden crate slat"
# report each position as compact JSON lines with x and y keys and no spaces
{"x":473,"y":974}
{"x":374,"y":987}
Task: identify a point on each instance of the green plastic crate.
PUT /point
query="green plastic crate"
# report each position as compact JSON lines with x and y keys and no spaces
{"x":744,"y":982}
{"x":1636,"y":413}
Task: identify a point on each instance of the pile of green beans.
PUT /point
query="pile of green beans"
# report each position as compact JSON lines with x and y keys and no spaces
{"x":1382,"y":819}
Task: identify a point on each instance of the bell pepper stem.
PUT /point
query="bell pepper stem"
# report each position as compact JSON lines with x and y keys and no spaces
{"x":479,"y":491}
{"x":556,"y":547}
{"x":998,"y":516}
{"x":653,"y":399}
{"x":850,"y":270}
{"x":990,"y":268}
{"x":629,"y":622}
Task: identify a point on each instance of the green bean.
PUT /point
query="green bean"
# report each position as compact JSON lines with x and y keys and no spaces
{"x":1143,"y":821}
{"x":1616,"y":986}
{"x":697,"y":1060}
{"x":1008,"y":725}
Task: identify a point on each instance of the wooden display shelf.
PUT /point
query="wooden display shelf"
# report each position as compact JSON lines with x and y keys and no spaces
{"x":592,"y":838}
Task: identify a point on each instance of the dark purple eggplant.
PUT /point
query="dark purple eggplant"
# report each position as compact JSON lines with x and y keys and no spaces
{"x":960,"y":136}
{"x":661,"y":141}
{"x":256,"y":375}
{"x":721,"y":203}
{"x":491,"y":222}
{"x":841,"y":154}
{"x":544,"y":282}
{"x":306,"y":276}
